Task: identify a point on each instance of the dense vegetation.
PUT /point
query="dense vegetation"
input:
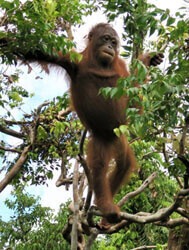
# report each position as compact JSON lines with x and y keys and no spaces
{"x":48,"y":137}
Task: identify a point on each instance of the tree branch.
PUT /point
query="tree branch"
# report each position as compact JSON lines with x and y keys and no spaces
{"x":160,"y":215}
{"x":13,"y":150}
{"x":63,"y":113}
{"x":15,"y":169}
{"x":74,"y":234}
{"x":138,"y":191}
{"x":182,"y":212}
{"x":33,"y":129}
{"x":159,"y":218}
{"x":144,"y":248}
{"x":172,"y":223}
{"x":12,"y":122}
{"x":181,"y":155}
{"x":11,"y":132}
{"x":183,"y":138}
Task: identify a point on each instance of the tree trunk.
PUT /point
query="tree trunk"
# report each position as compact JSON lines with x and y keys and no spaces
{"x":179,"y":239}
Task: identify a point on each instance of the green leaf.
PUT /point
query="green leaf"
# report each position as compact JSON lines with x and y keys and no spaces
{"x":117,"y":132}
{"x":75,"y":57}
{"x":15,"y":96}
{"x":113,"y":92}
{"x":123,"y":129}
{"x":105,"y":91}
{"x":170,"y":21}
{"x":163,"y":17}
{"x":41,"y":133}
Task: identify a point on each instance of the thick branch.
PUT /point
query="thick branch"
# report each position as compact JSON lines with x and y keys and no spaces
{"x":160,"y":218}
{"x":11,"y":132}
{"x":160,"y":215}
{"x":15,"y":169}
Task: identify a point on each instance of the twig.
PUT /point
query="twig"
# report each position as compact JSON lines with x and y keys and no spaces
{"x":149,"y":153}
{"x":88,"y":175}
{"x":161,"y":214}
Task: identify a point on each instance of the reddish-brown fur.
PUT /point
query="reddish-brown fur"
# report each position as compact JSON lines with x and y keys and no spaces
{"x":100,"y":67}
{"x":100,"y":116}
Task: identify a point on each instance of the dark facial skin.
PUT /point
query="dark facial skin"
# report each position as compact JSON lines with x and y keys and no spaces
{"x":105,"y":44}
{"x":107,"y":49}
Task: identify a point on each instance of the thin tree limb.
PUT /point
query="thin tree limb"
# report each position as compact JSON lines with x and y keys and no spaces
{"x":63,"y":113}
{"x":172,"y":223}
{"x":12,"y":122}
{"x":68,"y":29}
{"x":13,"y":150}
{"x":62,"y":177}
{"x":11,"y":132}
{"x":144,"y":248}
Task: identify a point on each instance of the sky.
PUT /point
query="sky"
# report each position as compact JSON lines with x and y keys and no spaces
{"x":50,"y":86}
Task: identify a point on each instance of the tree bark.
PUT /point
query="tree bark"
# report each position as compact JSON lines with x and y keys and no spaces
{"x":179,"y":239}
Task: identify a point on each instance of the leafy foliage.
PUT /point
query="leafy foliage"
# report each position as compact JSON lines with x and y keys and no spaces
{"x":155,"y":136}
{"x":39,"y":24}
{"x":32,"y":226}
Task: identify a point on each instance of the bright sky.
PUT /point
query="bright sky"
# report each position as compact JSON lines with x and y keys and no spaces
{"x":51,"y":86}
